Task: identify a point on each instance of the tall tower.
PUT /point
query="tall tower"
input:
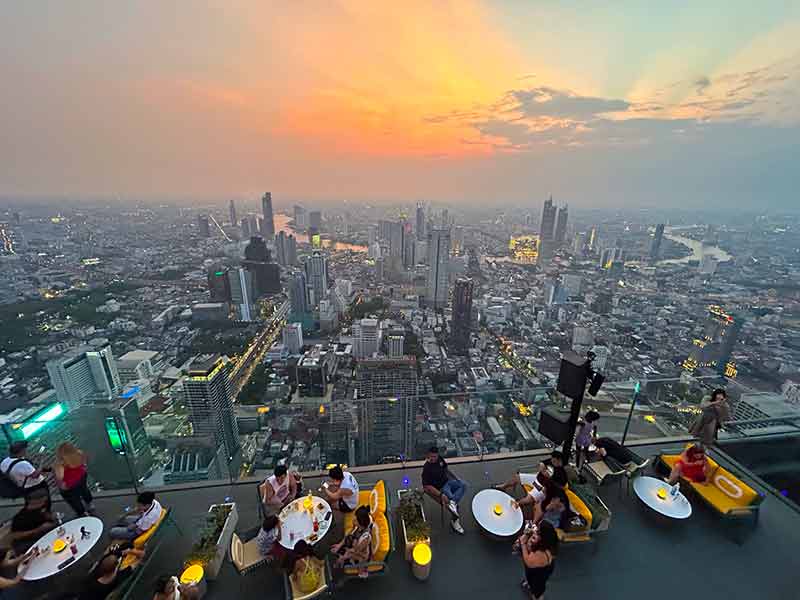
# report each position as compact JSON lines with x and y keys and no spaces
{"x":386,"y":394}
{"x":547,"y":233}
{"x":266,"y":275}
{"x":317,"y":275}
{"x":462,"y":314}
{"x":202,"y":226}
{"x":439,"y":260}
{"x":232,"y":212}
{"x":242,"y":293}
{"x":561,"y":225}
{"x":298,"y":296}
{"x":367,"y":338}
{"x":85,"y":375}
{"x":395,"y":344}
{"x":420,"y":223}
{"x":268,"y":224}
{"x":208,"y":399}
{"x":714,"y":346}
{"x":655,"y":246}
{"x":293,"y":337}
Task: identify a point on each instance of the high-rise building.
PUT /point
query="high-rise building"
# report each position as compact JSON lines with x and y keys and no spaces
{"x":255,"y":224}
{"x":554,"y":292}
{"x":280,"y":248}
{"x":611,"y":255}
{"x":291,"y":250}
{"x":266,"y":275}
{"x":314,"y":221}
{"x":579,"y":244}
{"x":386,"y":395}
{"x":420,"y":222}
{"x":232,"y":213}
{"x":409,"y":247}
{"x":547,"y":228}
{"x":380,"y":268}
{"x":396,"y":238}
{"x":293,"y":337}
{"x":299,"y":216}
{"x":313,"y":372}
{"x":298,"y":296}
{"x":582,"y":339}
{"x":219,"y":286}
{"x":462,"y":314}
{"x":242,"y":293}
{"x":366,"y":338}
{"x":394,"y":344}
{"x":561,"y":225}
{"x":572,"y":284}
{"x":439,"y":261}
{"x":268,"y":222}
{"x":202,"y":226}
{"x":600,"y":362}
{"x":85,"y":375}
{"x":592,"y":239}
{"x":655,"y":246}
{"x":316,"y":267}
{"x":245,"y":227}
{"x":208,"y":399}
{"x":713,"y":348}
{"x":138,"y":364}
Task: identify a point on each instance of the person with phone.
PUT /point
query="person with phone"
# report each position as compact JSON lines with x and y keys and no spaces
{"x":12,"y":569}
{"x":33,"y":521}
{"x":341,"y":490}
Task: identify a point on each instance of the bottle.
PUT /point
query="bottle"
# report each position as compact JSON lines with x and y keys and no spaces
{"x":73,"y":547}
{"x":316,"y":525}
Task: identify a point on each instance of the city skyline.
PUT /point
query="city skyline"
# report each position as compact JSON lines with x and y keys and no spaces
{"x":487,"y":102}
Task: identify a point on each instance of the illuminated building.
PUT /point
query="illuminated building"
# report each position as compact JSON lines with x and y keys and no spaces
{"x":208,"y":399}
{"x":713,"y":348}
{"x":386,"y":396}
{"x":462,"y":314}
{"x":268,"y":222}
{"x":524,"y":248}
{"x":85,"y":375}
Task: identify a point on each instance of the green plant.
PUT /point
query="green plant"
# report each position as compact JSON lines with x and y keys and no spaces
{"x":205,"y":549}
{"x":410,"y":511}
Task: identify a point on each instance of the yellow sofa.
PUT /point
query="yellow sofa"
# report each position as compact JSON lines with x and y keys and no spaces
{"x":724,"y":492}
{"x":381,"y":546}
{"x":375,"y":498}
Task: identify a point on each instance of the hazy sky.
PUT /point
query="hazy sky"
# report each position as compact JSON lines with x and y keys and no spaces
{"x":599,"y":103}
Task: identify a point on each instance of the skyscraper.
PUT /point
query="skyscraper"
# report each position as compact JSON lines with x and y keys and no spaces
{"x":314,"y":222}
{"x":561,"y":225}
{"x":420,"y":222}
{"x":242,"y":293}
{"x":713,"y":348}
{"x":554,"y":292}
{"x":245,"y":227}
{"x":316,"y":267}
{"x":293,"y":337}
{"x":85,"y":375}
{"x":208,"y":399}
{"x":409,"y":246}
{"x":396,"y":237}
{"x":219,"y":286}
{"x":232,"y":212}
{"x":268,"y":223}
{"x":291,"y":250}
{"x":299,"y":216}
{"x":280,"y":248}
{"x":266,"y":275}
{"x":439,"y":261}
{"x":202,"y":226}
{"x":366,"y":338}
{"x":298,"y":296}
{"x":655,"y":246}
{"x":394,"y":343}
{"x":547,"y":229}
{"x":462,"y":314}
{"x":386,"y":394}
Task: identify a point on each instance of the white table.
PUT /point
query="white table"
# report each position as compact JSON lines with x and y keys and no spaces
{"x":485,"y":507}
{"x":674,"y":507}
{"x":297,"y":523}
{"x":46,"y":565}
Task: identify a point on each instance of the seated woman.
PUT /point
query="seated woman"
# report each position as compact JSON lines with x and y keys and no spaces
{"x":356,"y":547}
{"x":539,"y":548}
{"x":534,"y":484}
{"x":107,"y":574}
{"x":553,"y":510}
{"x":548,"y":487}
{"x":268,"y":537}
{"x":306,"y":571}
{"x":168,"y":587}
{"x":692,"y":465}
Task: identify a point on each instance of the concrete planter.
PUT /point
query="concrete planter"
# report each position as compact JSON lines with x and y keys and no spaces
{"x":408,"y":546}
{"x":224,"y":541}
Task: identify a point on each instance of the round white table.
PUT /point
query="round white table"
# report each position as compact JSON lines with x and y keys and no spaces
{"x":297,"y":523}
{"x":674,"y":507}
{"x":496,"y":514}
{"x":46,"y":565}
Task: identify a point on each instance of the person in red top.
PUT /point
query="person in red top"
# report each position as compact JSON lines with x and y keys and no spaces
{"x":692,"y":465}
{"x":70,"y":472}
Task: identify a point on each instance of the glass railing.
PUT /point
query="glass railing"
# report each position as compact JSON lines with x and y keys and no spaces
{"x":126,"y":449}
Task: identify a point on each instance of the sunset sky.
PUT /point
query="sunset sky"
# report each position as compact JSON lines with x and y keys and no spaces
{"x":599,"y":103}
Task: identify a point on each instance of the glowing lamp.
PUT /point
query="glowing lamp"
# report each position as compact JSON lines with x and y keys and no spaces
{"x":662,"y":493}
{"x":192,"y":574}
{"x":59,"y":545}
{"x":308,"y":503}
{"x":421,"y":554}
{"x":498,"y":510}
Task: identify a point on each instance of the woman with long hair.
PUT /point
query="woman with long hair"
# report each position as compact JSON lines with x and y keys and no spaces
{"x":71,"y":473}
{"x":539,"y":548}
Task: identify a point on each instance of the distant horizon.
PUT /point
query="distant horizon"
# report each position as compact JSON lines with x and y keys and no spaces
{"x":461,"y":101}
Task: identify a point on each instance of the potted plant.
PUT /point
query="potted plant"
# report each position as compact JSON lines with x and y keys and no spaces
{"x":214,"y":539}
{"x":412,"y":520}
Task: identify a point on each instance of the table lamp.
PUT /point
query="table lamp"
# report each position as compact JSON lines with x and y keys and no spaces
{"x":662,"y":493}
{"x":497,"y":509}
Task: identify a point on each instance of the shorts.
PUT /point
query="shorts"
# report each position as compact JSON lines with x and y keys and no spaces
{"x":529,"y":483}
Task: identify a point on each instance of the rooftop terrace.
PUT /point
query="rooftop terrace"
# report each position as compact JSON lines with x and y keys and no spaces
{"x":640,"y":556}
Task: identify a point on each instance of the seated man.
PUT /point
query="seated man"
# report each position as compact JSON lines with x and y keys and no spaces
{"x":146,"y":514}
{"x":692,"y":465}
{"x":535,"y":484}
{"x":440,"y":483}
{"x":341,"y":490}
{"x":356,"y":547}
{"x":107,"y":574}
{"x":615,"y":454}
{"x":277,"y":490}
{"x":32,"y":522}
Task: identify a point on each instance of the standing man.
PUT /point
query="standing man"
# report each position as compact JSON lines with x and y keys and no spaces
{"x":342,"y":488}
{"x":444,"y":487}
{"x":22,"y":473}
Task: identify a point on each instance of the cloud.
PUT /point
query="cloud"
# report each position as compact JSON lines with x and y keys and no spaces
{"x":546,"y":101}
{"x":700,"y":85}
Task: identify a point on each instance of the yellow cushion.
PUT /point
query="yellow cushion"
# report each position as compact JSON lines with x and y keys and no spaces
{"x":379,"y":493}
{"x":580,"y":507}
{"x":140,"y":541}
{"x":312,"y":581}
{"x":725,"y":492}
{"x":384,"y":541}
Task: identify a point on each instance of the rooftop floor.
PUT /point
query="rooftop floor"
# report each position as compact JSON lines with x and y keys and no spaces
{"x":640,"y":556}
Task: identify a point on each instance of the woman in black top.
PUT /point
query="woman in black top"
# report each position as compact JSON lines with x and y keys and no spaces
{"x":539,"y":549}
{"x":107,"y":574}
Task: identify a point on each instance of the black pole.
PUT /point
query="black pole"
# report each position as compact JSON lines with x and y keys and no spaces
{"x":572,"y":424}
{"x":630,"y":414}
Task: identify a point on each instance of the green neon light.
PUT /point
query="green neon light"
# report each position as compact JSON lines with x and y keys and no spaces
{"x":42,"y":419}
{"x":219,"y":273}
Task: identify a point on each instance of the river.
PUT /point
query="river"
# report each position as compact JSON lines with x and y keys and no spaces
{"x":698,"y":250}
{"x":282,"y":224}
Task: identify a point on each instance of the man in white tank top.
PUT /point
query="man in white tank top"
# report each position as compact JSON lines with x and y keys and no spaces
{"x":341,"y":490}
{"x":277,"y":490}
